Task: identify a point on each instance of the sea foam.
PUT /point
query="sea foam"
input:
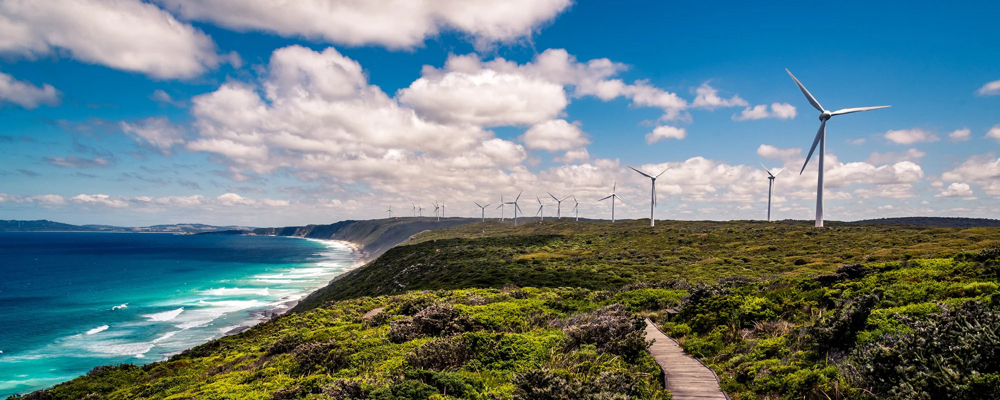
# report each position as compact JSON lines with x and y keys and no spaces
{"x":164,"y":316}
{"x":98,"y":329}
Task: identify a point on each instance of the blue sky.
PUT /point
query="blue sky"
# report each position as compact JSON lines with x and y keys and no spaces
{"x":183,"y":111}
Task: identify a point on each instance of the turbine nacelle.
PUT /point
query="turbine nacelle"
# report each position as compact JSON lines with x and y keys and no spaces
{"x":825,"y":116}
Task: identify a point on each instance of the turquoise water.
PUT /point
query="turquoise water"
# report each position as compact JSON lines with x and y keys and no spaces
{"x":73,"y":301}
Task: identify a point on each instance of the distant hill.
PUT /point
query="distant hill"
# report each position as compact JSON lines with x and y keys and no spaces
{"x":50,"y":226}
{"x":940,"y":222}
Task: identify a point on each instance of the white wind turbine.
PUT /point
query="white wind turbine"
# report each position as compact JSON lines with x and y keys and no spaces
{"x":420,"y":210}
{"x":652,"y":195}
{"x":821,"y":140}
{"x":541,"y":209}
{"x":484,"y":210}
{"x":389,"y":211}
{"x":770,"y":185}
{"x":502,"y":204}
{"x":516,"y":207}
{"x":442,"y":211}
{"x":558,"y":205}
{"x":614,"y":196}
{"x":414,"y":210}
{"x":576,"y":208}
{"x":436,"y":209}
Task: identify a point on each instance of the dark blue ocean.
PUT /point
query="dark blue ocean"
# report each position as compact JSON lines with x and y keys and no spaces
{"x":73,"y":301}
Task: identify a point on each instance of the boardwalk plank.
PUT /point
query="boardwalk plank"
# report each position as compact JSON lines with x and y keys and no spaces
{"x":686,"y":378}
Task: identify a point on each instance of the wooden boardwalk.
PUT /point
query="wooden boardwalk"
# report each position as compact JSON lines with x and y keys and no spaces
{"x":371,"y":314}
{"x":685,"y":377}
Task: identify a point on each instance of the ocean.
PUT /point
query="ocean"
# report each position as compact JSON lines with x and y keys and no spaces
{"x":73,"y":301}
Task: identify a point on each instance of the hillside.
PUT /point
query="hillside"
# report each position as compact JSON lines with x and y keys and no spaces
{"x":553,"y":311}
{"x":940,"y":222}
{"x":601,"y":255}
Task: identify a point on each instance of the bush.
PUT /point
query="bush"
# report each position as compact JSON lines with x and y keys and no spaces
{"x":839,"y":330}
{"x":612,"y":329}
{"x":313,"y":357}
{"x":405,"y":390}
{"x":952,"y":355}
{"x":548,"y":385}
{"x":439,"y":355}
{"x":436,"y":320}
{"x":346,"y":390}
{"x":283,"y":345}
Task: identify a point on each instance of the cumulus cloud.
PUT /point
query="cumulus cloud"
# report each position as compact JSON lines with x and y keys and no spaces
{"x":665,"y":132}
{"x":554,"y":136}
{"x":129,"y":35}
{"x":156,"y":132}
{"x":24,"y":93}
{"x":708,"y":98}
{"x":989,"y":89}
{"x":391,"y":23}
{"x":960,"y":135}
{"x":778,"y":111}
{"x":957,"y":189}
{"x":994,"y":133}
{"x":980,"y":170}
{"x":768,"y":151}
{"x":575,"y":155}
{"x":72,"y":161}
{"x":910,"y":136}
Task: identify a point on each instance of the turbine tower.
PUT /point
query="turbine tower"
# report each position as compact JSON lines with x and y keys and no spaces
{"x":576,"y":208}
{"x":614,"y":196}
{"x":558,"y":205}
{"x":501,"y":207}
{"x":821,"y":141}
{"x":442,"y":211}
{"x":484,"y":210}
{"x":541,"y":209}
{"x":770,"y":185}
{"x":516,"y":207}
{"x":389,"y":211}
{"x":652,"y":195}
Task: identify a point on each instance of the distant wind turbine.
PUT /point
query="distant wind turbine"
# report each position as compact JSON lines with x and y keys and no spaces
{"x":414,"y":210}
{"x":576,"y":208}
{"x":484,"y":210}
{"x":389,"y":211}
{"x":652,"y":193}
{"x":558,"y":205}
{"x":436,"y":209}
{"x":516,"y":207}
{"x":442,"y":211}
{"x":541,"y":209}
{"x":502,"y":204}
{"x":770,"y":185}
{"x":614,"y":196}
{"x":420,"y":210}
{"x":821,"y":140}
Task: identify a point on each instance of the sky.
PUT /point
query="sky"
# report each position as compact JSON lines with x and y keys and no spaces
{"x":251,"y":112}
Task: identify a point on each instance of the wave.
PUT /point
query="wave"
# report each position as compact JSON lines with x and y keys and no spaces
{"x":119,"y":307}
{"x":98,"y":329}
{"x":164,"y":316}
{"x":165,"y":336}
{"x":237,"y":292}
{"x":213,"y":310}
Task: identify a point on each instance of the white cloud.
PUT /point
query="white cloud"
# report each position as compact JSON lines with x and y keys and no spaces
{"x":883,"y":158}
{"x":25,"y":94}
{"x":485,"y":98}
{"x":100,"y":199}
{"x":957,"y":189}
{"x":129,"y":35}
{"x":72,"y":161}
{"x":709,"y":99}
{"x":857,"y":141}
{"x":390,"y":23}
{"x":163,"y":97}
{"x":768,"y":151}
{"x":980,"y":170}
{"x":665,"y":132}
{"x":960,"y":135}
{"x":778,"y":111}
{"x":575,"y":155}
{"x":555,"y":135}
{"x":994,"y":133}
{"x":989,"y":89}
{"x":156,"y":132}
{"x":910,"y":136}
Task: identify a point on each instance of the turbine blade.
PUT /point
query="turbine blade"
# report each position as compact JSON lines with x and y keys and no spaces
{"x":553,"y":197}
{"x":819,"y":134}
{"x":643,"y":173}
{"x":517,"y":207}
{"x":518,"y":196}
{"x":765,"y":169}
{"x":606,"y":198}
{"x":661,"y":173}
{"x":498,"y":207}
{"x":620,"y":199}
{"x":856,"y":109}
{"x":539,"y":200}
{"x":538,"y":212}
{"x":614,"y":188}
{"x":809,"y":96}
{"x":574,"y":199}
{"x":487,"y":205}
{"x":477,"y":204}
{"x":778,"y":171}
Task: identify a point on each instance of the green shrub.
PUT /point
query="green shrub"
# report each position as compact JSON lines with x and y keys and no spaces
{"x":612,"y":329}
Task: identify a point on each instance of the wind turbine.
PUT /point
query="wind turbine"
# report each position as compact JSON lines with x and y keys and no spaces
{"x":652,"y":194}
{"x":484,"y":210}
{"x":770,"y":185}
{"x":389,"y":211}
{"x":501,"y":207}
{"x":821,"y":140}
{"x":541,"y":209}
{"x":516,"y":207}
{"x":414,"y":210}
{"x":436,"y":208}
{"x":576,"y":208}
{"x":442,"y":211}
{"x":558,"y":205}
{"x":420,"y":210}
{"x":614,"y":196}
